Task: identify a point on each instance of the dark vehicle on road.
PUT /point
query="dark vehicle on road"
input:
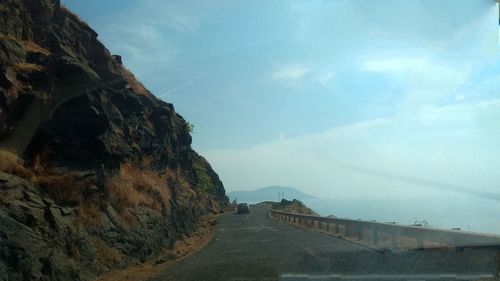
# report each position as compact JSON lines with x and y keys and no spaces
{"x":243,"y":208}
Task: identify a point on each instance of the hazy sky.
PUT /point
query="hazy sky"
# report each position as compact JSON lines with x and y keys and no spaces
{"x":339,"y":98}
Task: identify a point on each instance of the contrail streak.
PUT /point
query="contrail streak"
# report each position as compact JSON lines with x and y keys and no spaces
{"x":250,"y":49}
{"x":189,"y":82}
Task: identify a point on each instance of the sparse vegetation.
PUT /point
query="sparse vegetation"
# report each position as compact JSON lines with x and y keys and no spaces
{"x":33,"y":47}
{"x":25,"y":67}
{"x":135,"y":186}
{"x":64,"y":188}
{"x":73,"y":16}
{"x":133,"y":82}
{"x":89,"y":215}
{"x":204,"y":183}
{"x":10,"y":163}
{"x":190,"y":127}
{"x":106,"y":255}
{"x":294,"y":206}
{"x":7,"y":37}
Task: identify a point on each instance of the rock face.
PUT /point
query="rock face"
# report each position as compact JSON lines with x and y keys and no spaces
{"x":294,"y":206}
{"x":112,"y":179}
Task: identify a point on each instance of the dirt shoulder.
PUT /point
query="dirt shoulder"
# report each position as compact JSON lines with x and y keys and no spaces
{"x":181,"y":250}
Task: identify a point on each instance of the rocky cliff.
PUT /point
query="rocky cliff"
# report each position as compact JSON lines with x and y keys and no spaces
{"x":96,"y":172}
{"x":294,"y":206}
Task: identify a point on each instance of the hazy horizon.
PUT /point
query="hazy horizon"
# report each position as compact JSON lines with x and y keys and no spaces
{"x":338,"y":99}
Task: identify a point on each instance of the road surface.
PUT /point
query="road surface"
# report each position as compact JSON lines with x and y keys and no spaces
{"x":255,"y":247}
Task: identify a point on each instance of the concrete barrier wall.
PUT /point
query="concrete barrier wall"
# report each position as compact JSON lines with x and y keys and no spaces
{"x":389,"y":235}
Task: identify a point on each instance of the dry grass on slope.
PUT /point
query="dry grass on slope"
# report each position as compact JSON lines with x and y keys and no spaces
{"x":133,"y":186}
{"x":136,"y":86}
{"x":63,"y":187}
{"x":136,"y":186}
{"x":73,"y":16}
{"x":32,"y":47}
{"x":294,"y":206}
{"x":11,"y":164}
{"x":25,"y":67}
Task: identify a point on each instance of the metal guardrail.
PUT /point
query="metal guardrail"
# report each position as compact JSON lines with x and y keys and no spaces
{"x":390,"y":235}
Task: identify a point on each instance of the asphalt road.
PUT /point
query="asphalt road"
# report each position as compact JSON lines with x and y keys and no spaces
{"x":255,"y":247}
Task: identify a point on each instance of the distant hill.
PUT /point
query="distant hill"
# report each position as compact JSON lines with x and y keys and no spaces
{"x":269,"y":193}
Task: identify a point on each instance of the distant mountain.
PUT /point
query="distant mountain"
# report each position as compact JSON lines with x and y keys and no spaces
{"x":269,"y":193}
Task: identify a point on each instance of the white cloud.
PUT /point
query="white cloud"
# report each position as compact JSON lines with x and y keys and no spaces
{"x":418,"y":69}
{"x":325,"y":77}
{"x":395,"y":65}
{"x":469,"y":114}
{"x":290,"y":72}
{"x":426,"y":82}
{"x":296,"y":74}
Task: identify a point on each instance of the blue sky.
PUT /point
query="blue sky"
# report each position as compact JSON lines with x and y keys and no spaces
{"x":315,"y":93}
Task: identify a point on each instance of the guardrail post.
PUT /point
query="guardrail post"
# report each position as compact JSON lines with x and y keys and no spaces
{"x":497,"y":269}
{"x":420,"y":243}
{"x":394,"y":242}
{"x":374,"y":236}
